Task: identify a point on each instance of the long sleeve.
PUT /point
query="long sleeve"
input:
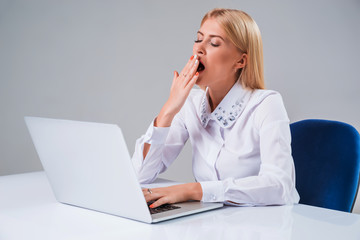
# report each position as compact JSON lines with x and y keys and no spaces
{"x":275,"y":182}
{"x":166,"y":144}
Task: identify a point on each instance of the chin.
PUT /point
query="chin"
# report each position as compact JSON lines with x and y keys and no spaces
{"x":203,"y":80}
{"x":198,"y":82}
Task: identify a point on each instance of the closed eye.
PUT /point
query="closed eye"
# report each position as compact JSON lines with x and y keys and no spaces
{"x":212,"y":44}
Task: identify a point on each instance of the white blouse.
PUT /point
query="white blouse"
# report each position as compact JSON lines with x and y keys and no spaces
{"x":241,"y":150}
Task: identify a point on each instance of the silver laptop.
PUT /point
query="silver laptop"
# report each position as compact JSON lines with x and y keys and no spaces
{"x":88,"y":165}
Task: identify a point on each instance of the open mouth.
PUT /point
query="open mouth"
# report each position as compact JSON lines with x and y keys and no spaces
{"x":201,"y":67}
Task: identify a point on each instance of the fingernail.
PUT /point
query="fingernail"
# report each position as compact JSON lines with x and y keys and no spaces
{"x":196,"y":61}
{"x":197,"y":74}
{"x":152,"y":206}
{"x":192,"y":57}
{"x":195,"y":56}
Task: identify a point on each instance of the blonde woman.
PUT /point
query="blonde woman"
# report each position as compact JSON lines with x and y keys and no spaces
{"x":239,"y":132}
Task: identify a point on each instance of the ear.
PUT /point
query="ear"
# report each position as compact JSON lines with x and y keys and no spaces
{"x":241,"y":62}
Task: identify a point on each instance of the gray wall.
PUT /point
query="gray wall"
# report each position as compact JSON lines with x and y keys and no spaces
{"x":112,"y":61}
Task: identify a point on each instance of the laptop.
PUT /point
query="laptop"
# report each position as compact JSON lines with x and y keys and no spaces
{"x":88,"y":165}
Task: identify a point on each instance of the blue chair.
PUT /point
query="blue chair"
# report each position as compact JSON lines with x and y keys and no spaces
{"x":327,"y":163}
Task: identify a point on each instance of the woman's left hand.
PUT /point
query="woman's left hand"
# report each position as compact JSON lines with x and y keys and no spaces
{"x":173,"y":194}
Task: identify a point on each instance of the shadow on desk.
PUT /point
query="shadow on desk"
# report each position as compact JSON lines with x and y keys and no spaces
{"x":244,"y":223}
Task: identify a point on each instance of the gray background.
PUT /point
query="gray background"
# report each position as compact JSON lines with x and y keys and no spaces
{"x":113,"y":61}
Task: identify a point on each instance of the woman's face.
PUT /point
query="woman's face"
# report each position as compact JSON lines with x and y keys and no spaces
{"x":217,"y":54}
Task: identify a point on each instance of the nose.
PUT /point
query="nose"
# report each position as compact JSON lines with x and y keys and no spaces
{"x":199,"y":49}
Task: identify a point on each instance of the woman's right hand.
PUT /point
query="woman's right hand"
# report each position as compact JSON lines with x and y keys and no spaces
{"x":180,"y":89}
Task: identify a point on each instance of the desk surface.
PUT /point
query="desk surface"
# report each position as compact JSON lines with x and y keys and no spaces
{"x":28,"y":210}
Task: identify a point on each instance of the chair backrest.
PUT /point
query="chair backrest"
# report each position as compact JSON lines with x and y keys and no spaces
{"x":327,"y":163}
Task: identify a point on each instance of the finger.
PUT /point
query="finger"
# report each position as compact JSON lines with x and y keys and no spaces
{"x":174,"y":82}
{"x":160,"y":202}
{"x":189,"y":63}
{"x":194,"y":67}
{"x":192,"y":82}
{"x":185,"y":70}
{"x":145,"y":191}
{"x":192,"y":72}
{"x":152,"y":196}
{"x":176,"y":75}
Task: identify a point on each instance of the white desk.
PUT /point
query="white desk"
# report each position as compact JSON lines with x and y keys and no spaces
{"x":28,"y":210}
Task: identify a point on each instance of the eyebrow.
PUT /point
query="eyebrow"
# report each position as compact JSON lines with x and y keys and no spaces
{"x":211,"y":35}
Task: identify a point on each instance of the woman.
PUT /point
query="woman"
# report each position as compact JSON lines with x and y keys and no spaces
{"x":239,"y":132}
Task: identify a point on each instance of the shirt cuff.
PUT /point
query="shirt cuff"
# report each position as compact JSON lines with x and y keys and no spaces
{"x":213,"y":191}
{"x":156,"y":135}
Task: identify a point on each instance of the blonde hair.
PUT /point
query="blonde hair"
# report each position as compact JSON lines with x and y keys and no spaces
{"x":244,"y":33}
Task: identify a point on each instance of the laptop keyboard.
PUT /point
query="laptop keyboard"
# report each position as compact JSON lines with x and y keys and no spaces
{"x":162,"y":208}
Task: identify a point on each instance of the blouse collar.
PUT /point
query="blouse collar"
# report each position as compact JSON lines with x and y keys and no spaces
{"x":229,"y":109}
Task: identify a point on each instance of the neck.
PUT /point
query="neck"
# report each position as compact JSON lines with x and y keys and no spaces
{"x":216,"y":95}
